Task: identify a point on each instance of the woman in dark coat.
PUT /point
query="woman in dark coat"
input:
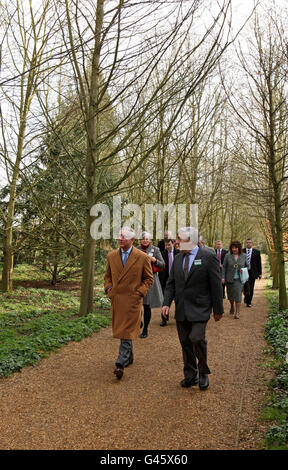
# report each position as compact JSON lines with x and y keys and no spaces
{"x":232,"y":265}
{"x":154,"y":297}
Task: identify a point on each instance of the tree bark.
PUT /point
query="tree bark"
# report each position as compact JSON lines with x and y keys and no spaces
{"x":8,"y":252}
{"x":87,"y":285}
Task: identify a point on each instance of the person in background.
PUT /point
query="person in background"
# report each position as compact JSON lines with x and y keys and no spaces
{"x":220,"y":253}
{"x":195,"y":285}
{"x":154,"y":297}
{"x":161,"y":244}
{"x":233,"y":263}
{"x":253,"y":257}
{"x":168,"y":255}
{"x":128,"y":278}
{"x":201,"y":243}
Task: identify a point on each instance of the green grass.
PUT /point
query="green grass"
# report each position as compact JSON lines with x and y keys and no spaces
{"x":24,"y":272}
{"x":34,"y":322}
{"x":276,"y":411}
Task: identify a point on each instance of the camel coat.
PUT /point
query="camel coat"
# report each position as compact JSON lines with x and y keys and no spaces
{"x":125,"y":303}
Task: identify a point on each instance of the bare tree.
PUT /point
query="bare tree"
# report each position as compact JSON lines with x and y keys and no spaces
{"x":261,"y":107}
{"x":115,"y":50}
{"x":27,"y":33}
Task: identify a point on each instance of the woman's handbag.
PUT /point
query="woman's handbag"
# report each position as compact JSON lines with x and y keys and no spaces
{"x":155,"y":268}
{"x":244,"y":275}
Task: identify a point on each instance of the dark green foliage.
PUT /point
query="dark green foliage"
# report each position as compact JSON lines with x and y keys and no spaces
{"x":34,"y":322}
{"x":276,"y":332}
{"x":276,"y":335}
{"x":277,"y":437}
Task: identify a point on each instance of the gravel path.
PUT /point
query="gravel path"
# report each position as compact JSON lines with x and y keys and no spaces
{"x":72,"y":400}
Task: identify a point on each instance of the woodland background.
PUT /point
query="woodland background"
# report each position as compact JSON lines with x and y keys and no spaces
{"x":181,"y":102}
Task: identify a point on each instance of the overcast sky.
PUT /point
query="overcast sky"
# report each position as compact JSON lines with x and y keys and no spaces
{"x":241,"y":10}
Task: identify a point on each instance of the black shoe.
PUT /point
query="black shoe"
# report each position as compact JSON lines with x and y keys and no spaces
{"x":249,"y":305}
{"x":119,"y":371}
{"x":163,"y":323}
{"x":144,"y":334}
{"x":186,"y":383}
{"x":203,"y":381}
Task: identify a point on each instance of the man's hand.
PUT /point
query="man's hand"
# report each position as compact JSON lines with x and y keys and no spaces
{"x":108,"y":291}
{"x":218,"y":316}
{"x":260,"y":277}
{"x":223,"y":281}
{"x":165,"y":311}
{"x":138,"y":293}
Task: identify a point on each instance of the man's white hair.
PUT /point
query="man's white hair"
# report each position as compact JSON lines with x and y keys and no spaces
{"x":127,"y":232}
{"x":188,"y":234}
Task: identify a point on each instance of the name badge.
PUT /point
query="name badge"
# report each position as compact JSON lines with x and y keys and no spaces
{"x":198,"y":262}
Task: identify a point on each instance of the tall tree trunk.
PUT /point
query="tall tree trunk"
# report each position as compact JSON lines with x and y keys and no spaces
{"x":274,"y":270}
{"x":87,"y":285}
{"x":276,"y":180}
{"x":27,"y":53}
{"x":280,"y":254}
{"x":8,"y":252}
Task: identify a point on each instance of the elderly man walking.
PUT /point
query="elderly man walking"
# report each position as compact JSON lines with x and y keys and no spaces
{"x":128,"y":278}
{"x":195,"y":285}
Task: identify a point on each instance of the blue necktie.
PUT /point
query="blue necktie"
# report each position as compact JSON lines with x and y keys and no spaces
{"x":125,"y":257}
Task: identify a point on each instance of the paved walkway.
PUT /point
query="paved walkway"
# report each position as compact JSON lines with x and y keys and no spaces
{"x":72,"y":400}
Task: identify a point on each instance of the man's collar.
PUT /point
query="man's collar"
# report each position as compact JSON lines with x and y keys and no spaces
{"x":193,"y":251}
{"x":127,"y":251}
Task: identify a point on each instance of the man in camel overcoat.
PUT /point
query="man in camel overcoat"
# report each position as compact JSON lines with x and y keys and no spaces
{"x":128,"y":278}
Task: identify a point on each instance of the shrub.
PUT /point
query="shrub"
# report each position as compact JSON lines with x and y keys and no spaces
{"x":276,"y":335}
{"x":34,"y":322}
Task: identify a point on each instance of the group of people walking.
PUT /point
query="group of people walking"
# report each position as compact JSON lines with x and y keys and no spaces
{"x":184,"y":271}
{"x":231,"y":266}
